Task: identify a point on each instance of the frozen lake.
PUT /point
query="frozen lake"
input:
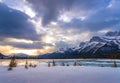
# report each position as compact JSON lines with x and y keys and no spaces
{"x":63,"y":62}
{"x":60,"y":71}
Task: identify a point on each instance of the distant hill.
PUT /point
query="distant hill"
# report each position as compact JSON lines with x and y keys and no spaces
{"x":1,"y":55}
{"x":21,"y":55}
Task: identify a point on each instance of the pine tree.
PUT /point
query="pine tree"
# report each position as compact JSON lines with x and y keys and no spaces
{"x":75,"y":63}
{"x":63,"y":64}
{"x":49,"y":64}
{"x":26,"y":65}
{"x":13,"y":62}
{"x":67,"y":64}
{"x":54,"y":63}
{"x":114,"y":64}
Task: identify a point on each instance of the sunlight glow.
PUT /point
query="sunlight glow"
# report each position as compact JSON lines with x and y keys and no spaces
{"x":48,"y":39}
{"x":29,"y":52}
{"x":18,"y":40}
{"x":65,"y":18}
{"x":53,"y":23}
{"x":83,"y":18}
{"x":46,"y":49}
{"x":6,"y":49}
{"x":29,"y":11}
{"x":9,"y":50}
{"x":38,"y":25}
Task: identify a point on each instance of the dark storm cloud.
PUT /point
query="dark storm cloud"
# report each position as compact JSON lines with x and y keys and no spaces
{"x":34,"y":45}
{"x":105,"y":18}
{"x":15,"y":24}
{"x":50,"y":10}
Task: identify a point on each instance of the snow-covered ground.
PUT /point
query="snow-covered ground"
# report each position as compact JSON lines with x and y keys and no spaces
{"x":60,"y":74}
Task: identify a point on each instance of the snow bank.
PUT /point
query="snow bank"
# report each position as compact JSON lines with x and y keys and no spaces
{"x":60,"y":74}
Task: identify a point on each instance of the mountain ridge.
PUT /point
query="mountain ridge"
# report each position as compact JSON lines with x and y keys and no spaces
{"x":97,"y":46}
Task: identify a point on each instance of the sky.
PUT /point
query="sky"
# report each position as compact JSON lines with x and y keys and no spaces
{"x":37,"y":27}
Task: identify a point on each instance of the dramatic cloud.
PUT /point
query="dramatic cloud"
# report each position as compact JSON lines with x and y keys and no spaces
{"x":104,"y":19}
{"x":15,"y":24}
{"x":50,"y":10}
{"x":43,"y":26}
{"x":24,"y":44}
{"x":107,"y":17}
{"x":20,"y":5}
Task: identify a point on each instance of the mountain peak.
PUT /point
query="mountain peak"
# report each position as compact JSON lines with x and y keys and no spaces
{"x":96,"y":39}
{"x":113,"y":33}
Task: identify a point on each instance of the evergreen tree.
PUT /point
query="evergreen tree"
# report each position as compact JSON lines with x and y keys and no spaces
{"x":114,"y":64}
{"x":54,"y":63}
{"x":75,"y":63}
{"x":49,"y":64}
{"x":26,"y":65}
{"x":63,"y":64}
{"x":67,"y":64}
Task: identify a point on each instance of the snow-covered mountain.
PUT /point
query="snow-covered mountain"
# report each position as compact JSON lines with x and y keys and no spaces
{"x":21,"y":55}
{"x":1,"y":55}
{"x":97,"y":46}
